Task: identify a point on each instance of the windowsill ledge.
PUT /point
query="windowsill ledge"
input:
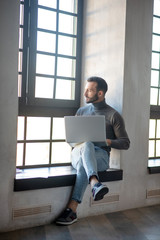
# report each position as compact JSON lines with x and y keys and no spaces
{"x":32,"y":179}
{"x":154,"y":166}
{"x":153,"y":170}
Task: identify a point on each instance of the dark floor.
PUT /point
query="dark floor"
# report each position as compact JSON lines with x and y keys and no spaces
{"x":136,"y":224}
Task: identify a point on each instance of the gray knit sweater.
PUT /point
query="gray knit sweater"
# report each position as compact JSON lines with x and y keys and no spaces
{"x":115,"y":127}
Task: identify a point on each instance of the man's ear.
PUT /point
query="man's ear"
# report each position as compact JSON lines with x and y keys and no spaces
{"x":100,"y":93}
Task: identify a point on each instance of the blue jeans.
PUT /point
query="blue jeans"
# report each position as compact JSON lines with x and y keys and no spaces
{"x":87,"y":159}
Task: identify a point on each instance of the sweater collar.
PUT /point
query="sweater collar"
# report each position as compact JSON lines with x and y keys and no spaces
{"x":99,"y":105}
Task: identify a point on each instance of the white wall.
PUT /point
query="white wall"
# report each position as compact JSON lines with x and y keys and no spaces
{"x":117,"y":47}
{"x":8,"y":104}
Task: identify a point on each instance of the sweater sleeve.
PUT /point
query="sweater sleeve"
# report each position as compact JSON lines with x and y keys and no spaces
{"x":122,"y":140}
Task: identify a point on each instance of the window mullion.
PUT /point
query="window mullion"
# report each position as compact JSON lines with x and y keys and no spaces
{"x":56,"y":50}
{"x":32,"y":51}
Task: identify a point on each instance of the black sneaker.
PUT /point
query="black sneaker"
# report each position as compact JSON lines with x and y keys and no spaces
{"x":98,"y":191}
{"x":67,"y":217}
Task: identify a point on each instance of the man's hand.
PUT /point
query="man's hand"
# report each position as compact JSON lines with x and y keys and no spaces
{"x":108,"y":142}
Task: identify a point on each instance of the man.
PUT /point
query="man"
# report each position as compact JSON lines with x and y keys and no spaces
{"x":87,"y":158}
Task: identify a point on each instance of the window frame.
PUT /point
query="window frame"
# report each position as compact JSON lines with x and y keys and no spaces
{"x":155,"y":110}
{"x":29,"y":105}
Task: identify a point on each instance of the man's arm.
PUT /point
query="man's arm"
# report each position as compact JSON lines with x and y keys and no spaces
{"x":122,"y":140}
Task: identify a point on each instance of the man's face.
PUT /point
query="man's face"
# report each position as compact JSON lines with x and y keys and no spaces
{"x":91,"y":93}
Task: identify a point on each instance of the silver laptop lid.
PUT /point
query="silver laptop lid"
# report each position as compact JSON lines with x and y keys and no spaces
{"x":85,"y":128}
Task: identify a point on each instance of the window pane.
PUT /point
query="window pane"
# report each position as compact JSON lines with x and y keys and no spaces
{"x":156,"y":43}
{"x":20,"y":62}
{"x":156,"y":7}
{"x":38,"y":128}
{"x":19,"y":85}
{"x":69,"y":48}
{"x":21,"y":38}
{"x":151,"y":148}
{"x":46,"y":42}
{"x":45,"y":64}
{"x":152,"y":130}
{"x":20,"y":128}
{"x":58,"y":129}
{"x":48,"y":3}
{"x":65,"y":89}
{"x":67,"y":24}
{"x":37,"y":153}
{"x":158,"y":148}
{"x":19,"y":160}
{"x":44,"y":87}
{"x":154,"y":78}
{"x":66,"y":67}
{"x":155,"y":60}
{"x":61,"y":152}
{"x":46,"y":19}
{"x":68,"y":5}
{"x":21,"y":16}
{"x":153,"y":96}
{"x":156,"y":24}
{"x":158,"y":130}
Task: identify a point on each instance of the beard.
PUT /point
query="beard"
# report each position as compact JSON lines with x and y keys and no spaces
{"x":92,"y":99}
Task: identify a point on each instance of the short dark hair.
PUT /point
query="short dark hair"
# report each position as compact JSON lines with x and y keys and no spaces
{"x":101,"y":83}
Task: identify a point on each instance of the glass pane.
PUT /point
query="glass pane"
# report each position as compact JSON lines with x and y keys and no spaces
{"x":66,"y":67}
{"x":158,"y":130}
{"x":19,"y":85}
{"x":44,"y":87}
{"x":46,"y":19}
{"x":48,"y":3}
{"x":158,"y":148}
{"x":46,"y":42}
{"x":155,"y":60}
{"x":37,"y":153}
{"x":67,"y":46}
{"x":65,"y":89}
{"x":21,"y":38}
{"x":19,"y":158}
{"x":20,"y":57}
{"x":69,"y":5}
{"x":156,"y":7}
{"x":156,"y":24}
{"x":38,"y":128}
{"x":154,"y":78}
{"x":45,"y":64}
{"x":154,"y":96}
{"x":21,"y":16}
{"x":20,"y":128}
{"x":156,"y":43}
{"x":58,"y":129}
{"x":67,"y":24}
{"x":61,"y":152}
{"x":151,"y":148}
{"x":152,"y":130}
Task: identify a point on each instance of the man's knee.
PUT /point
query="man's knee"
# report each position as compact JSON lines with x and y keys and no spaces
{"x":88,"y":145}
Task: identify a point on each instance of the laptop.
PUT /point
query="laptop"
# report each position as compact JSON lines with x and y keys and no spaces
{"x":81,"y":129}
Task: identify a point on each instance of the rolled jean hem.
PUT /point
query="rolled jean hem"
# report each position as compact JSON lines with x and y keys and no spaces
{"x":93,"y":174}
{"x":78,"y":201}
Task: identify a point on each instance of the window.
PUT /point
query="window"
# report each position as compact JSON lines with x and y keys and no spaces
{"x":49,"y":70}
{"x":154,"y":125}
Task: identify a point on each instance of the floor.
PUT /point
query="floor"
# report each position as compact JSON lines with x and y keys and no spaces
{"x":135,"y":224}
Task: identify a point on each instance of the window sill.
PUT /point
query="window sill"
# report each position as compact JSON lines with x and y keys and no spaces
{"x":153,"y":170}
{"x":154,"y":166}
{"x":41,"y":178}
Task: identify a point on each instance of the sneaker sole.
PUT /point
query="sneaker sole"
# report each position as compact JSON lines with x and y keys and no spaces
{"x":65,"y":223}
{"x":101,"y":194}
